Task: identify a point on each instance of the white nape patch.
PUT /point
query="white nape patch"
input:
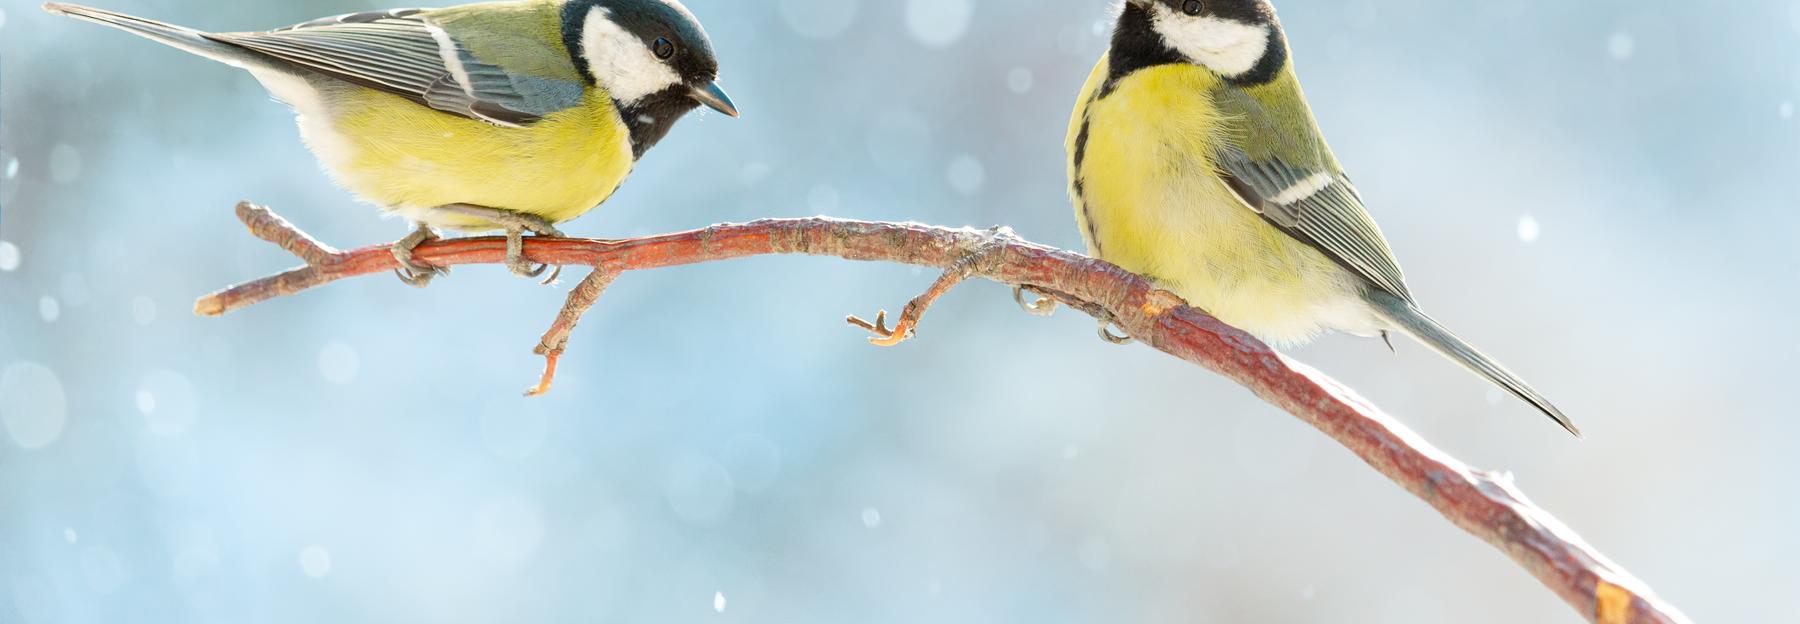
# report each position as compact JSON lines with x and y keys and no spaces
{"x":620,"y":61}
{"x":453,"y":62}
{"x":1228,"y":47}
{"x":1304,"y":189}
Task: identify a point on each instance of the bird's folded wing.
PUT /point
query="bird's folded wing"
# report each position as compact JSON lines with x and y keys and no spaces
{"x":1320,"y":208}
{"x":402,"y":53}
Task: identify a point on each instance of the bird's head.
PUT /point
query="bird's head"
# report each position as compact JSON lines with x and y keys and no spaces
{"x":652,"y":56}
{"x":1240,"y":40}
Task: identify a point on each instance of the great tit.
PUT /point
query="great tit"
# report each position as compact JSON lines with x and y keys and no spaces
{"x":1194,"y":160}
{"x":507,"y":116}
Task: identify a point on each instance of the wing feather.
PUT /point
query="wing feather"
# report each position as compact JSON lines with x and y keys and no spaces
{"x":402,"y":53}
{"x":1330,"y":217}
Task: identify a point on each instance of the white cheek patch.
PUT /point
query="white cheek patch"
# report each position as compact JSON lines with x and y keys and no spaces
{"x":1229,"y":47}
{"x":620,"y":61}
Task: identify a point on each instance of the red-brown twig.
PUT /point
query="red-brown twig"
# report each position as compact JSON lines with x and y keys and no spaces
{"x":1485,"y":504}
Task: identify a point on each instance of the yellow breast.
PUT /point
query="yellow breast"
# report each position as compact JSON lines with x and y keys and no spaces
{"x":406,"y":157}
{"x":1149,"y":199}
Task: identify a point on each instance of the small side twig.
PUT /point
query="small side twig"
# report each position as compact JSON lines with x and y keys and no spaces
{"x":960,"y":271}
{"x":556,"y":339}
{"x":267,"y":225}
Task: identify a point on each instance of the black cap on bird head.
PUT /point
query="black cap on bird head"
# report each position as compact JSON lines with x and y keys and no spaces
{"x":652,"y":56}
{"x":1240,"y":40}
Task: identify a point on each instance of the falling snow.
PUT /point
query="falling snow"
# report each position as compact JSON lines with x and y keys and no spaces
{"x":1528,"y":229}
{"x":439,"y":481}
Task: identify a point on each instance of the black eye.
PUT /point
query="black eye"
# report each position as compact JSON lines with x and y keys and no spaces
{"x":1192,"y":7}
{"x":664,"y":49}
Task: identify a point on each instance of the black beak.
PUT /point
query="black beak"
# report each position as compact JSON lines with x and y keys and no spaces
{"x":714,"y":98}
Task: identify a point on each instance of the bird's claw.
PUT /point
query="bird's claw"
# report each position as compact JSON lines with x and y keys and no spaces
{"x":1106,"y":334}
{"x":1042,"y":306}
{"x":412,"y":272}
{"x":515,"y":254}
{"x":419,"y":276}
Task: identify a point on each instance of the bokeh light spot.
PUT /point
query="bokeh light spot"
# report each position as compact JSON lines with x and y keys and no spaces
{"x":1020,"y":80}
{"x":1621,"y":46}
{"x":938,"y":23}
{"x":315,"y":562}
{"x":339,"y":363}
{"x":166,"y":398}
{"x":700,"y":491}
{"x":819,"y":19}
{"x":143,"y":310}
{"x":1529,"y":230}
{"x":9,"y":256}
{"x":49,"y":309}
{"x":65,"y":164}
{"x":32,"y":404}
{"x":967,"y":175}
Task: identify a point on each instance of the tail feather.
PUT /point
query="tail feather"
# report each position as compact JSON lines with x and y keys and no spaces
{"x":185,"y":39}
{"x":1409,"y":319}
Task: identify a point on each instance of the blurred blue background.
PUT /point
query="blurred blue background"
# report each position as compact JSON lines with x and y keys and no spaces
{"x":1602,"y":193}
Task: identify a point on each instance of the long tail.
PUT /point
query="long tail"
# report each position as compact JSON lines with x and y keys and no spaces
{"x":186,"y":39}
{"x":1422,"y":328}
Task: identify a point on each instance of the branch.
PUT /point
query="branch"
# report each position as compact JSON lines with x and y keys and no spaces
{"x":1487,"y":505}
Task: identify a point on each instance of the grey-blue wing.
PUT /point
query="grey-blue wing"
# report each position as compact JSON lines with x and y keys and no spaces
{"x":400,"y":52}
{"x":1318,"y":207}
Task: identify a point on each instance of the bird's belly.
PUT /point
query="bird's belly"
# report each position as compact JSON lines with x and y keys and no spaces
{"x":409,"y":159}
{"x":1151,"y":203}
{"x":1224,"y":258}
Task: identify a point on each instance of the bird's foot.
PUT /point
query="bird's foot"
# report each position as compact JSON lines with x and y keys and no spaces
{"x":516,"y":225}
{"x":515,"y":256}
{"x":411,"y":271}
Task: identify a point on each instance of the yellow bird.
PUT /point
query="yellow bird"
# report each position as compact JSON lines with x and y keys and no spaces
{"x":509,"y":116}
{"x":1195,"y":161}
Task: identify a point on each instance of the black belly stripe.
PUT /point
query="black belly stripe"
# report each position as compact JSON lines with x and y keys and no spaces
{"x":1081,"y":139}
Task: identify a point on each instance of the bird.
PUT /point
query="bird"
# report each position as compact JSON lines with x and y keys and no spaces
{"x":513,"y":116}
{"x":1195,"y":160}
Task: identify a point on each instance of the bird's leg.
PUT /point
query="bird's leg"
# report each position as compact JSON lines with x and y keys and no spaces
{"x":516,"y":224}
{"x":414,"y":273}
